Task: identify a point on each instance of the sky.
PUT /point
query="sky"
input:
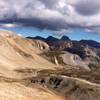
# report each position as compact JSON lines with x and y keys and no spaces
{"x":78,"y":19}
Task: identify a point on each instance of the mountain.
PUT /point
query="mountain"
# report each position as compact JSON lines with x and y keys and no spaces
{"x":84,"y":52}
{"x":37,"y":38}
{"x":65,"y":38}
{"x":19,"y":53}
{"x":51,"y":39}
{"x":19,"y":60}
{"x":25,"y":74}
{"x":91,"y":43}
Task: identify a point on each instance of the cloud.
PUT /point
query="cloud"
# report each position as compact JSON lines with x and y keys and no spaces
{"x":8,"y":25}
{"x":60,"y":16}
{"x":62,"y":32}
{"x":88,"y":7}
{"x":20,"y":35}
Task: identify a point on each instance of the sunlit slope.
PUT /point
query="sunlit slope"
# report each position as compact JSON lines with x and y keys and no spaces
{"x":16,"y":91}
{"x":19,"y":53}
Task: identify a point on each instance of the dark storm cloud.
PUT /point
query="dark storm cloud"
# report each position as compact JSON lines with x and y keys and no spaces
{"x":88,"y":7}
{"x":55,"y":15}
{"x":38,"y":23}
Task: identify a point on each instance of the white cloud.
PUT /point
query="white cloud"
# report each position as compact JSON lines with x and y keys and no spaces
{"x":8,"y":25}
{"x":20,"y":35}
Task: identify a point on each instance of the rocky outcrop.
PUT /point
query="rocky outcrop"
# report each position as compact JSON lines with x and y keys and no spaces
{"x":70,"y":88}
{"x":40,"y":45}
{"x":74,"y":60}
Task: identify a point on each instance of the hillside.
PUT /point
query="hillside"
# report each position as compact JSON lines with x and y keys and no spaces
{"x":16,"y":91}
{"x":19,"y":53}
{"x":27,"y":74}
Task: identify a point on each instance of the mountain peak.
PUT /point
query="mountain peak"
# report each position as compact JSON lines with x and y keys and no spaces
{"x":51,"y":38}
{"x":65,"y":38}
{"x":37,"y":38}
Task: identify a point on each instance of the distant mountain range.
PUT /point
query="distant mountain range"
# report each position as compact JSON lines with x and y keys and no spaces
{"x":50,"y":38}
{"x":64,"y":38}
{"x":91,"y":43}
{"x":82,"y":53}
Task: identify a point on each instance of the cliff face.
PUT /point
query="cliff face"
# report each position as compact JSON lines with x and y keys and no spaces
{"x":39,"y":46}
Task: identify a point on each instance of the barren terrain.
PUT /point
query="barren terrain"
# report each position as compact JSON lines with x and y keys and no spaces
{"x":25,"y":75}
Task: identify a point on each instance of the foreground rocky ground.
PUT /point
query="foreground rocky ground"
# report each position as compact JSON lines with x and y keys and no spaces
{"x":48,"y":86}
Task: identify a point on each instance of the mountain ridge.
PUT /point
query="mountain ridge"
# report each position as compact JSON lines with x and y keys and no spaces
{"x":83,"y":52}
{"x":92,"y":43}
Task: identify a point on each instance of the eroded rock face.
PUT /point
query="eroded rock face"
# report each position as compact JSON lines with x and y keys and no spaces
{"x":70,"y":88}
{"x":40,"y":44}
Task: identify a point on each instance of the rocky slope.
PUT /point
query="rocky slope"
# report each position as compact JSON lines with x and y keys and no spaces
{"x":19,"y":53}
{"x":17,"y":91}
{"x":39,"y":46}
{"x":26,"y":75}
{"x":84,"y":52}
{"x":70,"y":88}
{"x":19,"y":59}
